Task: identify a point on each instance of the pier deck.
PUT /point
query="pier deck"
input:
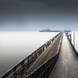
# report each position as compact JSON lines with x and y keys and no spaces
{"x":67,"y":64}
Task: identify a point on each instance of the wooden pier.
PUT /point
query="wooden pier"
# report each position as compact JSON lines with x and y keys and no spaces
{"x":67,"y":64}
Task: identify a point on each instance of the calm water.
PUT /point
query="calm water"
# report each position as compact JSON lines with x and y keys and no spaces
{"x":15,"y":46}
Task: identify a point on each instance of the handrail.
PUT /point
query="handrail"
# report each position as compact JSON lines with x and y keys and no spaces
{"x":74,"y":49}
{"x":22,"y":67}
{"x":44,"y":69}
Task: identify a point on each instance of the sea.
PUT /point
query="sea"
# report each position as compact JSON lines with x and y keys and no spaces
{"x":15,"y":46}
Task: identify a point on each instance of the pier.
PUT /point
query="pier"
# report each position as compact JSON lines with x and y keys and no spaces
{"x":67,"y":65}
{"x":57,"y":58}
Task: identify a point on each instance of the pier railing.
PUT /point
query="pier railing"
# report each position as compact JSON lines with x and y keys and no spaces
{"x":72,"y":45}
{"x":21,"y":68}
{"x":44,"y":69}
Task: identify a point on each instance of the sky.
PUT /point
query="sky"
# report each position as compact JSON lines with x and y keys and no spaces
{"x":35,"y":15}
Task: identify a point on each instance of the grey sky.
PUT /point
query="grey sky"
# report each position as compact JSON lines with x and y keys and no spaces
{"x":33,"y":15}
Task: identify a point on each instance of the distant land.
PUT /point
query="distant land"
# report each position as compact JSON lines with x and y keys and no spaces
{"x":48,"y":30}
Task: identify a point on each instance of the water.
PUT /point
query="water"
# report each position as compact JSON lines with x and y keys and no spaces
{"x":15,"y":46}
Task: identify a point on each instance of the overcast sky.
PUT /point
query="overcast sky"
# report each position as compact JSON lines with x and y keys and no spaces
{"x":34,"y":15}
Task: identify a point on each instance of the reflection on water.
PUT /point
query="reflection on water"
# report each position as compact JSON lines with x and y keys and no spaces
{"x":15,"y":46}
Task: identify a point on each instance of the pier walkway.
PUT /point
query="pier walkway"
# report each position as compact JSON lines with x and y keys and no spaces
{"x":67,"y":64}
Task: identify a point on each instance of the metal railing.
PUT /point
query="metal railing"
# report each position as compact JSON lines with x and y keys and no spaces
{"x":21,"y":68}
